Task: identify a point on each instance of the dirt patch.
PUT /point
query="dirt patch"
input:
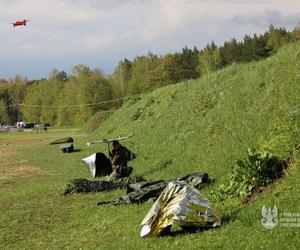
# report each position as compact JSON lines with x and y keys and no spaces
{"x":22,"y":141}
{"x":10,"y":174}
{"x":14,"y":169}
{"x":5,"y":152}
{"x":8,"y":147}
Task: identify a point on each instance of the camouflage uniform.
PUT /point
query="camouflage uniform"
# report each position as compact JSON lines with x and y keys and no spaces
{"x":119,"y":158}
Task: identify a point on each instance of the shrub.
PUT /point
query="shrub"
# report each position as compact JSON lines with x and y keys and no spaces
{"x":259,"y":168}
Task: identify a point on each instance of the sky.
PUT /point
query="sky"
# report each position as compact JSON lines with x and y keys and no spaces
{"x":100,"y":33}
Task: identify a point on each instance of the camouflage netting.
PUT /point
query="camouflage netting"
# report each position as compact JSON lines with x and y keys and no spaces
{"x":81,"y":185}
{"x":86,"y":186}
{"x":138,"y":189}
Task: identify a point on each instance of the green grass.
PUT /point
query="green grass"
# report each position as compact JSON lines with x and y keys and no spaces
{"x":201,"y":125}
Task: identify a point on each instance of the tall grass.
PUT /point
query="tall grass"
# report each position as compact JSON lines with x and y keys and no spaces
{"x":202,"y":125}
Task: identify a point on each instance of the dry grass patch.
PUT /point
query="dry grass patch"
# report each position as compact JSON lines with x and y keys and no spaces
{"x":15,"y":172}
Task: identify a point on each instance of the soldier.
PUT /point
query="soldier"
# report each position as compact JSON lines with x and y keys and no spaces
{"x":119,"y":157}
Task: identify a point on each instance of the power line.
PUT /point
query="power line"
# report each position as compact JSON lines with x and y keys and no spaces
{"x":69,"y":106}
{"x":8,"y":106}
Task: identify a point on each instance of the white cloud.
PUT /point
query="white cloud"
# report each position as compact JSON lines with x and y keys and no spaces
{"x":63,"y":33}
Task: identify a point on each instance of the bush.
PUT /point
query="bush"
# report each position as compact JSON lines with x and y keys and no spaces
{"x":259,"y":168}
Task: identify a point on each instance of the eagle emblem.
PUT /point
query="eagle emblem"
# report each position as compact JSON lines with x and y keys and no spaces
{"x":269,"y":220}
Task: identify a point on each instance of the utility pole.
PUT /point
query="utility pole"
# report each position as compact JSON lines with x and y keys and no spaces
{"x":18,"y":111}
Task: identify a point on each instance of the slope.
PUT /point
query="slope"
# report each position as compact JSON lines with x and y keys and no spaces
{"x":209,"y":123}
{"x":203,"y":125}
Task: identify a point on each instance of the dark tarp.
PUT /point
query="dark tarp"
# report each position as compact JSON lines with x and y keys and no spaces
{"x":138,"y":189}
{"x":150,"y":190}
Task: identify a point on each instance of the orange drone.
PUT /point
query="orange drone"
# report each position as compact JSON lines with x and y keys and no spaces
{"x":20,"y":22}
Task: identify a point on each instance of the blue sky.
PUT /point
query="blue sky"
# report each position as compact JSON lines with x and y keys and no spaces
{"x":99,"y":33}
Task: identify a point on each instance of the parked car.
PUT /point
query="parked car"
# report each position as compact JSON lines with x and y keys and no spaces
{"x":29,"y":125}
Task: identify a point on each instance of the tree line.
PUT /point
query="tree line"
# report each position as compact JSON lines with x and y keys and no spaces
{"x":62,"y":99}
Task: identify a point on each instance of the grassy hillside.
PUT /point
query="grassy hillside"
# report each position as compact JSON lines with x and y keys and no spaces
{"x":209,"y":123}
{"x":203,"y":125}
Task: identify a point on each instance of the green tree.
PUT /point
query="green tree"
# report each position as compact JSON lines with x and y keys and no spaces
{"x":120,"y":79}
{"x":12,"y":92}
{"x":254,"y":48}
{"x":56,"y":75}
{"x":296,"y":33}
{"x":4,"y":114}
{"x":31,"y":109}
{"x":68,"y":113}
{"x":40,"y":104}
{"x":93,"y":87}
{"x":277,"y":37}
{"x":140,"y":80}
{"x":231,"y":52}
{"x":169,"y":70}
{"x":209,"y":59}
{"x":188,"y":61}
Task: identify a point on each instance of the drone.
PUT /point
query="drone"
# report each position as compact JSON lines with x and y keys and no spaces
{"x":20,"y":22}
